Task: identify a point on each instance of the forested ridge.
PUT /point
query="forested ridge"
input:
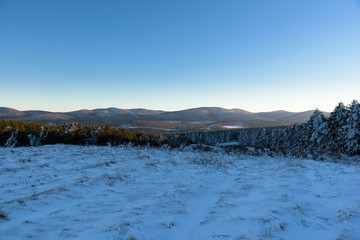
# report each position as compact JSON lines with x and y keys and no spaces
{"x":337,"y":134}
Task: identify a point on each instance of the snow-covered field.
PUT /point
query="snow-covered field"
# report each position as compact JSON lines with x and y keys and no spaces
{"x":61,"y":192}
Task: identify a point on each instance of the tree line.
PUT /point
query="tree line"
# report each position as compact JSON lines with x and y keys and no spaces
{"x":19,"y":133}
{"x":339,"y":133}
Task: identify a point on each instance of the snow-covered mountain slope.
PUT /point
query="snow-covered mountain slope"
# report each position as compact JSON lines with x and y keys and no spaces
{"x":61,"y":192}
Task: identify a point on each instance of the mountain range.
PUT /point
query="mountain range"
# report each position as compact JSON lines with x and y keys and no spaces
{"x":194,"y":119}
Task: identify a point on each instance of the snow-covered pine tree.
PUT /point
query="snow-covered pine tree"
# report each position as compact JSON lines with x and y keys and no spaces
{"x":317,"y":127}
{"x":337,"y":121}
{"x":352,"y":145}
{"x":302,"y":138}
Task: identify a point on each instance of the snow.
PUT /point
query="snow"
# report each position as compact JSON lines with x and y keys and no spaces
{"x":201,"y":122}
{"x":233,"y":126}
{"x":228,"y":144}
{"x":60,"y":192}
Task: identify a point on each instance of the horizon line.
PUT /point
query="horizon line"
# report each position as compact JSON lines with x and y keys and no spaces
{"x":150,"y":109}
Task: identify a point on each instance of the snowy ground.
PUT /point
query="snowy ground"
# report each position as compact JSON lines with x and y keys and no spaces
{"x":61,"y":192}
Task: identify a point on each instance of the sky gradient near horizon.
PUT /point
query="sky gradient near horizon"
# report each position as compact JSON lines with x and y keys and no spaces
{"x":259,"y":55}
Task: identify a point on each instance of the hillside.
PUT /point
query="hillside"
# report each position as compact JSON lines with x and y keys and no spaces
{"x":195,"y":119}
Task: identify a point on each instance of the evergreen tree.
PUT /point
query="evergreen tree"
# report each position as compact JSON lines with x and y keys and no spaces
{"x":317,"y":130}
{"x":337,"y":122}
{"x":352,"y":145}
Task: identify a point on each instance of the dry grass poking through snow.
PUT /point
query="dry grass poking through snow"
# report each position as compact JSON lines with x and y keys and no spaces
{"x":60,"y":192}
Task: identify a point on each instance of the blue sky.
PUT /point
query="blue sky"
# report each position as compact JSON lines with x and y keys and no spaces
{"x":258,"y":55}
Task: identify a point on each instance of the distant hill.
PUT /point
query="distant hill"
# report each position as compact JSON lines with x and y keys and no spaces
{"x":195,"y":119}
{"x":10,"y":112}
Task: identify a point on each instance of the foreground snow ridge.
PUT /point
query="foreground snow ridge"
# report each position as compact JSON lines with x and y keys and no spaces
{"x":61,"y":192}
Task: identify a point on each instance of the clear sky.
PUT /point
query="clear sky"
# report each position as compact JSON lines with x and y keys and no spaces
{"x":258,"y":55}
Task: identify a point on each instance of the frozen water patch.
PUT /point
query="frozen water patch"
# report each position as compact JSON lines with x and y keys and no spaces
{"x":233,"y":126}
{"x":60,"y":191}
